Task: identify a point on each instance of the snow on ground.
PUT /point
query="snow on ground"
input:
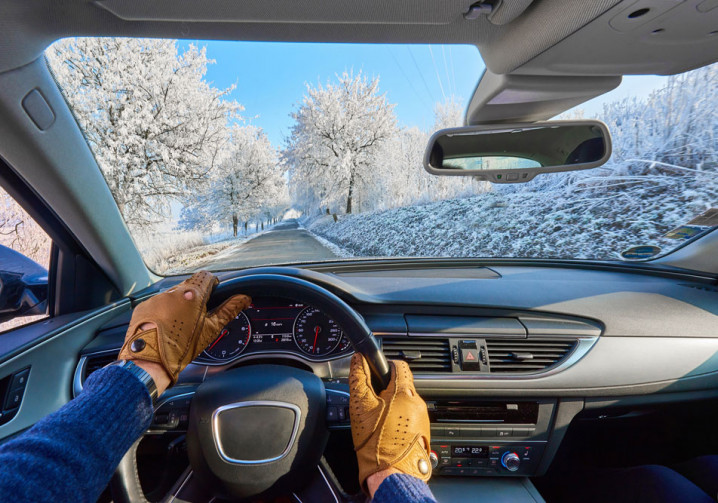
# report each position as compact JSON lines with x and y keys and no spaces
{"x":584,"y":215}
{"x":181,"y":251}
{"x":333,"y":247}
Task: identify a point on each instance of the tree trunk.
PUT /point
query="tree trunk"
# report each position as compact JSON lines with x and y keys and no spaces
{"x":350,"y":193}
{"x":235,"y":223}
{"x":245,"y":227}
{"x":262,"y":224}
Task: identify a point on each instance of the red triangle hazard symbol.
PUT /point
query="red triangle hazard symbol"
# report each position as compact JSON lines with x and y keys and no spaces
{"x":470,"y":356}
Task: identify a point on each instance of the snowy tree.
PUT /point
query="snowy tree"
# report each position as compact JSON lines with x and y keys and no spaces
{"x":155,"y":125}
{"x":246,"y":185}
{"x":338,"y":131}
{"x":448,"y":113}
{"x":21,"y":233}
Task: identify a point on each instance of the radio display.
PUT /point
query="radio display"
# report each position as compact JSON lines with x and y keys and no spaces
{"x":469,"y":451}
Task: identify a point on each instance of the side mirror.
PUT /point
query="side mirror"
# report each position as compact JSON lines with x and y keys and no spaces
{"x":516,"y":153}
{"x":23,"y":285}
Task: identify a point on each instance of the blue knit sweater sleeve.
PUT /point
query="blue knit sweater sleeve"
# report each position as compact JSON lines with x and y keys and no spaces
{"x":71,"y":454}
{"x":400,"y":487}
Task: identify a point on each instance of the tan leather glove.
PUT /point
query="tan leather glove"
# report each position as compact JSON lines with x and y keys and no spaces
{"x":184,"y":327}
{"x":390,"y":430}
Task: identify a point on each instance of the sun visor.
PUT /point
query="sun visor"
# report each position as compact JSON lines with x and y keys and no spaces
{"x":506,"y":11}
{"x":529,"y":98}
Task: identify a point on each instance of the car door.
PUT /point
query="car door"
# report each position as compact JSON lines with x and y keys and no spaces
{"x":52,"y":300}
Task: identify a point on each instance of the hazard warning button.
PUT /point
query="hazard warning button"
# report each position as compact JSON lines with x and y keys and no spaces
{"x":469,"y":356}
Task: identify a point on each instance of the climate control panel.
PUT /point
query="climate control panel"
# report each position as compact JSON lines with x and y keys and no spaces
{"x":496,"y":459}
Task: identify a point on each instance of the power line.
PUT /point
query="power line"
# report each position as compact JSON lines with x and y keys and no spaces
{"x":411,"y":84}
{"x":446,"y":70}
{"x":436,"y":70}
{"x":421,"y":74}
{"x":453,"y":72}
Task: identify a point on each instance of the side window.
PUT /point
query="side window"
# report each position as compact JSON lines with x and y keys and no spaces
{"x":24,"y":262}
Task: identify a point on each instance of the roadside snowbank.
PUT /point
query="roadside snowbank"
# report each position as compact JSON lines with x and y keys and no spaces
{"x":586,"y":216}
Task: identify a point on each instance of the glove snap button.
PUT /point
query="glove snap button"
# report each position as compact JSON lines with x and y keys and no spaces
{"x":423,"y":466}
{"x":138,"y":345}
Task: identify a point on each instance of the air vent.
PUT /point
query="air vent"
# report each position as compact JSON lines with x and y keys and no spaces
{"x":422,"y":354}
{"x":96,"y":362}
{"x":526,"y":355}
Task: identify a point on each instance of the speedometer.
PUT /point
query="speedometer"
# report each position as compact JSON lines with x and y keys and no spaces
{"x":315,"y":333}
{"x":232,"y":339}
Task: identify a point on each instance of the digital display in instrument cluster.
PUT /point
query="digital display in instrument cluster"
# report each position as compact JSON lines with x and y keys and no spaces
{"x":278,"y":325}
{"x":273,"y":323}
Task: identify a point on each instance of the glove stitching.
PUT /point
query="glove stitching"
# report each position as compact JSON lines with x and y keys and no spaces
{"x":197,"y":330}
{"x":383,"y":422}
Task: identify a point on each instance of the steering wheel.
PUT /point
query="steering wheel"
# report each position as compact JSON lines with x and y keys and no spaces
{"x":259,"y":431}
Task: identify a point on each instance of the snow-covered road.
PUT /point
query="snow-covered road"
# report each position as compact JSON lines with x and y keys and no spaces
{"x":285,"y":242}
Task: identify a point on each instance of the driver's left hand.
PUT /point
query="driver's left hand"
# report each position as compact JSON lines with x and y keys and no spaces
{"x":172,"y":328}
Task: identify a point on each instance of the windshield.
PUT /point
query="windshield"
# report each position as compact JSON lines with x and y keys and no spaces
{"x":236,"y":154}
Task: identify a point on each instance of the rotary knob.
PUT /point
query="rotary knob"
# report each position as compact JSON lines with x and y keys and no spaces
{"x":510,"y":461}
{"x":434,"y":459}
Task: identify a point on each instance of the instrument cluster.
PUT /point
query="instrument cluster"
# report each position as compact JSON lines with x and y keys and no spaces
{"x":273,"y":325}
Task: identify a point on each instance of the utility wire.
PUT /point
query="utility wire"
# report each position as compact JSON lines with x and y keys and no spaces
{"x":421,"y":74}
{"x":446,"y":70}
{"x":411,"y":84}
{"x":436,"y":70}
{"x":453,"y":72}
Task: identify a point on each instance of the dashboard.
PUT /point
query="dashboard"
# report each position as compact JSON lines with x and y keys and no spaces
{"x":276,"y":325}
{"x":505,"y":357}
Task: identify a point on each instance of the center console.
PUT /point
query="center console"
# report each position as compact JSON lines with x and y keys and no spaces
{"x":489,"y":438}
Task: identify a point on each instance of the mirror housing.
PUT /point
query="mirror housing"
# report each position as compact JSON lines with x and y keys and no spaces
{"x":23,"y":285}
{"x":516,"y":153}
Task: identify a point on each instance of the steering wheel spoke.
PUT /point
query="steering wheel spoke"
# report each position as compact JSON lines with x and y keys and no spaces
{"x":323,"y":486}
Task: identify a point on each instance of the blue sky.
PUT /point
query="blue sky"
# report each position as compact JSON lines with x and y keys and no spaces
{"x":271,"y":77}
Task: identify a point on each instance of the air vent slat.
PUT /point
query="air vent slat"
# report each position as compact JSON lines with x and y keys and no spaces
{"x":96,"y":362}
{"x":526,"y":355}
{"x":435,"y":353}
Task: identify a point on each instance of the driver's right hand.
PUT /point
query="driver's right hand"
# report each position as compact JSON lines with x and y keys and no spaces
{"x":391,"y":430}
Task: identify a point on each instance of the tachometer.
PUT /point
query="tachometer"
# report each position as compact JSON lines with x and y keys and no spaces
{"x":232,"y":339}
{"x":315,"y":333}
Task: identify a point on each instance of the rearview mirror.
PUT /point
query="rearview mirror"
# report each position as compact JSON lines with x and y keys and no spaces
{"x":515,"y":153}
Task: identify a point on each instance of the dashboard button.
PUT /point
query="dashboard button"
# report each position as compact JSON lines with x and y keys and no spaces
{"x":460,"y":462}
{"x":469,"y":356}
{"x":471,"y":432}
{"x":452,"y":432}
{"x":504,"y":432}
{"x":438,"y":431}
{"x":332,"y":413}
{"x":336,"y":397}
